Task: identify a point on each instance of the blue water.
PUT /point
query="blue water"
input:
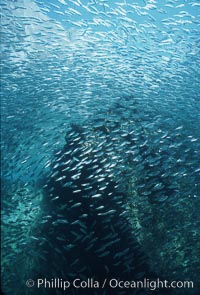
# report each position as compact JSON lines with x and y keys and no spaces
{"x":128,"y":74}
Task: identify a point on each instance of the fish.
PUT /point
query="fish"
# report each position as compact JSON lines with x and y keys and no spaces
{"x":100,"y":139}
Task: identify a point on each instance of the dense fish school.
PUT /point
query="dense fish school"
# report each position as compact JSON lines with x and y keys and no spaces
{"x":100,"y":144}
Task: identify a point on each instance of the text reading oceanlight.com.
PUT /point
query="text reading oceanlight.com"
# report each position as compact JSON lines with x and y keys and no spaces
{"x":113,"y":283}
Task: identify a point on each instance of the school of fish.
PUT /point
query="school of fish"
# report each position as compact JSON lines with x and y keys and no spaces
{"x":100,"y":118}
